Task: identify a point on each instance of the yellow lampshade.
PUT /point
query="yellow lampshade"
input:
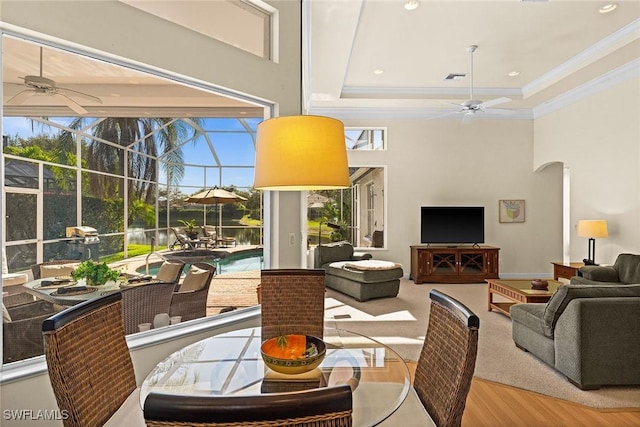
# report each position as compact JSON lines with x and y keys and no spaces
{"x":295,"y":153}
{"x":592,"y":228}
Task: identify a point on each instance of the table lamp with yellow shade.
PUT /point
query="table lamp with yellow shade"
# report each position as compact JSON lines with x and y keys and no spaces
{"x":592,"y":228}
{"x":295,"y":153}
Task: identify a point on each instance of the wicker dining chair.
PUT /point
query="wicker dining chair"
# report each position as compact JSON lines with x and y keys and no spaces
{"x":292,"y":302}
{"x":190,"y":300}
{"x":327,"y":406}
{"x":140,"y":304}
{"x":22,"y":331}
{"x":89,"y":364}
{"x":447,"y":360}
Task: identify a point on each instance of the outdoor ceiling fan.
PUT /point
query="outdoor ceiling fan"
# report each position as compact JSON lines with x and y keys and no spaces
{"x":473,"y":106}
{"x":39,"y":85}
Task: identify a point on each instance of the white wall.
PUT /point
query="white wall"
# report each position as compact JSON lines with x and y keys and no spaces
{"x":447,"y":163}
{"x":598,"y":139}
{"x":116,"y":29}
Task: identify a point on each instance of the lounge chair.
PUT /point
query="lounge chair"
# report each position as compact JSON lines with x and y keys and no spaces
{"x":182,"y":241}
{"x":209,"y":232}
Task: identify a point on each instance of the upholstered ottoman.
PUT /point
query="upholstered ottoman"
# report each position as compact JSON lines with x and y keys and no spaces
{"x":364,"y":280}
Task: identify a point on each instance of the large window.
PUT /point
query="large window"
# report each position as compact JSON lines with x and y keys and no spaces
{"x":356,"y":214}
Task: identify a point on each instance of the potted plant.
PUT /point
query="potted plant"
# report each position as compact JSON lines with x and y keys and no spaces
{"x":96,"y":274}
{"x":189,"y":228}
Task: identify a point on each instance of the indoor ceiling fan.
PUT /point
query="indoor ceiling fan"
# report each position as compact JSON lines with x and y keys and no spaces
{"x":39,"y":85}
{"x":473,"y":106}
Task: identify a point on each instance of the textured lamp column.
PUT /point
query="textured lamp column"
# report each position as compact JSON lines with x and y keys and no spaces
{"x":295,"y":153}
{"x":592,"y":228}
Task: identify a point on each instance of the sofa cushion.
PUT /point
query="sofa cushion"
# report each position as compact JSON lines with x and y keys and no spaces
{"x":599,"y":273}
{"x":340,"y":251}
{"x":529,"y":315}
{"x":565,"y":293}
{"x":342,"y":269}
{"x":628,"y":267}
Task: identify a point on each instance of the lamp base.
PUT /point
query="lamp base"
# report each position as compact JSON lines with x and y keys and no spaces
{"x":588,"y":262}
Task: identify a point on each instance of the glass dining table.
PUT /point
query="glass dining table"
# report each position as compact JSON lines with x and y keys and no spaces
{"x":231,"y":364}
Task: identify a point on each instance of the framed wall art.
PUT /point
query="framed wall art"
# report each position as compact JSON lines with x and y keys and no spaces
{"x":511,"y":210}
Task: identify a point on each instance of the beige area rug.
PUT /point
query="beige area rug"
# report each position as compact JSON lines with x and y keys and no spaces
{"x":401,"y":323}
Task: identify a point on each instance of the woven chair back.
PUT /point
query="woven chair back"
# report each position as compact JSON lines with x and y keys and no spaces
{"x":447,"y":360}
{"x":88,"y":361}
{"x":322,"y":407}
{"x":292,"y":302}
{"x":141,"y":303}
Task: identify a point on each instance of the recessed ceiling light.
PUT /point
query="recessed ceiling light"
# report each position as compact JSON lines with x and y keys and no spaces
{"x":411,"y":4}
{"x":608,"y":8}
{"x":514,"y":73}
{"x":378,"y":71}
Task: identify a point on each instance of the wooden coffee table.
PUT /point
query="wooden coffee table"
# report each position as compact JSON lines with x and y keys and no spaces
{"x":517,"y":291}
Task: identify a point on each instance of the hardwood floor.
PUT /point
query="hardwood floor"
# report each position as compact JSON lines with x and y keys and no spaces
{"x":491,"y":404}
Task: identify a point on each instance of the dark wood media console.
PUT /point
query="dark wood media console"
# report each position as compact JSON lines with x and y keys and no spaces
{"x":460,"y":264}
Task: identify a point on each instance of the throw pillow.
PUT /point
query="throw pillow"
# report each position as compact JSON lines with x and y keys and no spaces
{"x":56,"y":270}
{"x":169,"y":271}
{"x":6,"y":317}
{"x":195,"y":280}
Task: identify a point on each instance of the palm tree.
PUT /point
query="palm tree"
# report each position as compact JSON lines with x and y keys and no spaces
{"x":147,"y":138}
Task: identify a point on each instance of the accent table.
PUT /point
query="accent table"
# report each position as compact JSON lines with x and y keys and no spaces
{"x":517,"y":291}
{"x":566,"y":271}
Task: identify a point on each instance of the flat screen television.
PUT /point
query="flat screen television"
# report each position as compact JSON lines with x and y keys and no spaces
{"x":452,"y":224}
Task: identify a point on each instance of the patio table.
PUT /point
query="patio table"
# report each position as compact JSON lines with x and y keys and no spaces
{"x":59,"y":292}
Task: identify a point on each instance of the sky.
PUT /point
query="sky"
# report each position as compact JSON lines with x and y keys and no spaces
{"x":233,"y":145}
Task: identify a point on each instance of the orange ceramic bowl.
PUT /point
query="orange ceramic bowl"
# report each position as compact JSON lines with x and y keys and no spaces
{"x":293,"y":354}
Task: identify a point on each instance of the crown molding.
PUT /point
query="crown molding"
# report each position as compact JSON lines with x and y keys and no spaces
{"x":603,"y":47}
{"x":628,"y":71}
{"x":423,"y":92}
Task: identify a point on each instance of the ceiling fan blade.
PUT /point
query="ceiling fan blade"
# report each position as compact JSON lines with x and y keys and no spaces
{"x":493,"y":102}
{"x":468,"y":117}
{"x":21,"y":97}
{"x":71,"y":103}
{"x":448,"y":113}
{"x":64,"y":91}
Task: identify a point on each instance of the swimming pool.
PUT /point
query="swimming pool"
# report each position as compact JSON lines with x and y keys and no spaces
{"x":248,"y":260}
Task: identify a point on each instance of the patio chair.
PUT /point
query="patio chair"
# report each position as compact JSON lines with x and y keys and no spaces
{"x":450,"y":349}
{"x":22,"y":329}
{"x":59,"y":267}
{"x":327,"y":406}
{"x":190,"y":300}
{"x":292,"y":302}
{"x":140,"y":304}
{"x":182,"y":241}
{"x":89,"y":364}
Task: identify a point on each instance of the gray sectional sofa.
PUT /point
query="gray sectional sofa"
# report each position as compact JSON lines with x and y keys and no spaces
{"x":345,"y":273}
{"x":588,"y":332}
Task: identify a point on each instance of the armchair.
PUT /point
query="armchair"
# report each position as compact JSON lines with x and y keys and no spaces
{"x":190,"y":300}
{"x":625,"y":270}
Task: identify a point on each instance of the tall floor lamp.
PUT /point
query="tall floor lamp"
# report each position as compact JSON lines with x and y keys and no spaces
{"x":592,"y":228}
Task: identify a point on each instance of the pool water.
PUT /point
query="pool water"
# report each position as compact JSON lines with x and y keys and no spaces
{"x":233,"y":263}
